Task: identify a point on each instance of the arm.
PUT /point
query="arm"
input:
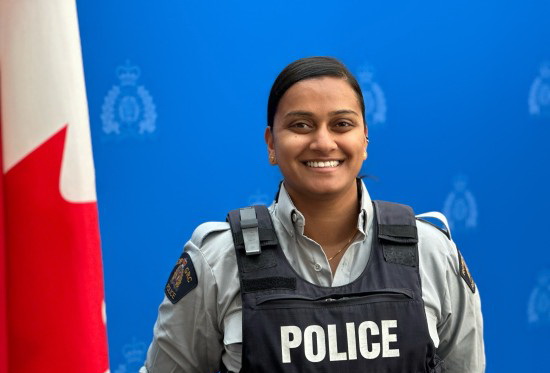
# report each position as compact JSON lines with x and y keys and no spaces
{"x":452,"y":302}
{"x":186,"y":334}
{"x":461,"y":332}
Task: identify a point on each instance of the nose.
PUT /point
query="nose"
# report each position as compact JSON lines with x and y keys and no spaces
{"x":323,"y":140}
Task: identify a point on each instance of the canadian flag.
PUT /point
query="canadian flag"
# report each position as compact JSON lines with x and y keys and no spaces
{"x":52,"y":312}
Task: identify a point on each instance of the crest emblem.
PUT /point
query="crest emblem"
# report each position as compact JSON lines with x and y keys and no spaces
{"x":375,"y":101}
{"x":134,"y":354}
{"x":175,"y":281}
{"x":538,"y":306}
{"x":539,"y":94}
{"x":182,"y":280}
{"x":460,"y":206}
{"x":128,"y":109}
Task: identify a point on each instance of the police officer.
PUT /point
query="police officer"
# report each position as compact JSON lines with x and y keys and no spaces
{"x":325,"y":279}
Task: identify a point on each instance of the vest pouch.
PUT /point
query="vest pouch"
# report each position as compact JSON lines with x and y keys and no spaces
{"x":328,"y":331}
{"x":282,"y":300}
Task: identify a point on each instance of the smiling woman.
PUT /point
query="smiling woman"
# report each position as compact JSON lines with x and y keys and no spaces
{"x":326,"y":278}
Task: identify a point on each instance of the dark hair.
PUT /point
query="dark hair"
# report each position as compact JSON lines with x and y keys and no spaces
{"x":307,"y":68}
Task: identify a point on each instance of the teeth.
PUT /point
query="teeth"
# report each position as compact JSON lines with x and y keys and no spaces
{"x":323,"y":164}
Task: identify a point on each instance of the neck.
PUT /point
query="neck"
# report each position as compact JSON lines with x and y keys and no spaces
{"x":330,"y":220}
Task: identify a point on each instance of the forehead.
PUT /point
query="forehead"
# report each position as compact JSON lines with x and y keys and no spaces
{"x":316,"y":94}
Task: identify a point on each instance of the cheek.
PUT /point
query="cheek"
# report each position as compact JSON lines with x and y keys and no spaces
{"x":289,"y":145}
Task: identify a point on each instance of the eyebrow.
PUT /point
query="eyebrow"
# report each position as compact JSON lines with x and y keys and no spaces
{"x":343,"y":111}
{"x":301,"y":113}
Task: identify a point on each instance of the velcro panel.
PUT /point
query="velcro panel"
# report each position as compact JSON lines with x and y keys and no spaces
{"x":268,"y":283}
{"x":250,"y":263}
{"x":398,"y":233}
{"x":401,"y":254}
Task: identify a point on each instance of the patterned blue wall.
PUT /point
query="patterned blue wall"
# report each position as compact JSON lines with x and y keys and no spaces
{"x":458,"y":95}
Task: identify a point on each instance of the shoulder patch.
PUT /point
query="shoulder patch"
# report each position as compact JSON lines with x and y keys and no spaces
{"x":465,"y":273}
{"x":182,"y":280}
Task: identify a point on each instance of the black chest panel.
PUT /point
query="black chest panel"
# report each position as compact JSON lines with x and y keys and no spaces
{"x":376,"y":323}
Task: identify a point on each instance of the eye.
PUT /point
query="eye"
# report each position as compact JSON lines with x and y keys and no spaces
{"x":300,"y":127}
{"x":343,"y":125}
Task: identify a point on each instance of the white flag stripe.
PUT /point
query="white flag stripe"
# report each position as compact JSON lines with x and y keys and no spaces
{"x":36,"y":106}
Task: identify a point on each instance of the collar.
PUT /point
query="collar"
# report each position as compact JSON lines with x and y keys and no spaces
{"x":293,"y":220}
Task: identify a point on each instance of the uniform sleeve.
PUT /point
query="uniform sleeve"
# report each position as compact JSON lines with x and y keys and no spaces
{"x":461,"y":327}
{"x":186,"y":334}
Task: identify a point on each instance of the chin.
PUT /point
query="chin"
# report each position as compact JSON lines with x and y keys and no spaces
{"x":326,"y":188}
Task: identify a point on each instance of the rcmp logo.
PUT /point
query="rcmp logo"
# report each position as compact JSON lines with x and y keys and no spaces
{"x":539,"y":94}
{"x":460,"y":206}
{"x":182,"y":280}
{"x":128,"y":109}
{"x":538,"y":306}
{"x":134,"y":354}
{"x":375,"y":101}
{"x":258,"y":198}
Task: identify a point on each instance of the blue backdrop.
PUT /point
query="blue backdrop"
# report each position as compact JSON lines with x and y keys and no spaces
{"x":458,"y":99}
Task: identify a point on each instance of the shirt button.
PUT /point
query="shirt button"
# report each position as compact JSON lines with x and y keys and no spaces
{"x":317,"y":267}
{"x":294,"y":216}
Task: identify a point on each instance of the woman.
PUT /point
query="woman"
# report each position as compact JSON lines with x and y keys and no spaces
{"x":325,"y":279}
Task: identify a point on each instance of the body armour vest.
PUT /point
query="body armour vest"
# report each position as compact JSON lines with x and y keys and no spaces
{"x":377,"y":323}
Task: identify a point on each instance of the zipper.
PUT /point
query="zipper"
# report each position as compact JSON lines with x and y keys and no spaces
{"x":287,"y":300}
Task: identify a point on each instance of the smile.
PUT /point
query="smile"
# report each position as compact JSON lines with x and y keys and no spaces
{"x":323,"y":164}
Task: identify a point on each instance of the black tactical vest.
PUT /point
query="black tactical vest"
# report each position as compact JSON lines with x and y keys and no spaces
{"x":377,"y":323}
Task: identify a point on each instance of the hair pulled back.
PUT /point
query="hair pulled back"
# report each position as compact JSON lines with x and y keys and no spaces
{"x":307,"y":68}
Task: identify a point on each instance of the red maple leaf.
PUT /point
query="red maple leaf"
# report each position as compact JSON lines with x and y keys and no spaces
{"x":54,"y":270}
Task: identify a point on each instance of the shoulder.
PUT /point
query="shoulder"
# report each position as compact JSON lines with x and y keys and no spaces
{"x":206,"y":257}
{"x":210,"y":243}
{"x":438,"y":252}
{"x":435,"y":237}
{"x":439,"y":255}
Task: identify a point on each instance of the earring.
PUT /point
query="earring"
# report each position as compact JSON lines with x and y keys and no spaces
{"x":272,"y":159}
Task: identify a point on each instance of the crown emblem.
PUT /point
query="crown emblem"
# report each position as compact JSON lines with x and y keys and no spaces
{"x":460,"y":183}
{"x":128,"y":74}
{"x":134,"y":352}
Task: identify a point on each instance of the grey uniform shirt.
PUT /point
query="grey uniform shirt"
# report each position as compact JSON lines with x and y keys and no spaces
{"x":206,"y":324}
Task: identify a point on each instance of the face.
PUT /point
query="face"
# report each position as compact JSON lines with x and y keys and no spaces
{"x":318,"y":137}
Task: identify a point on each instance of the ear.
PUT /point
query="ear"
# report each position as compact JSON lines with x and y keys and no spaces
{"x":366,"y":141}
{"x":268,"y":136}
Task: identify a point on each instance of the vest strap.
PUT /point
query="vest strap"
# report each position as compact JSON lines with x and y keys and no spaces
{"x":254,"y":238}
{"x":397,"y":233}
{"x":396,"y":222}
{"x":249,"y":226}
{"x":255,"y":218}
